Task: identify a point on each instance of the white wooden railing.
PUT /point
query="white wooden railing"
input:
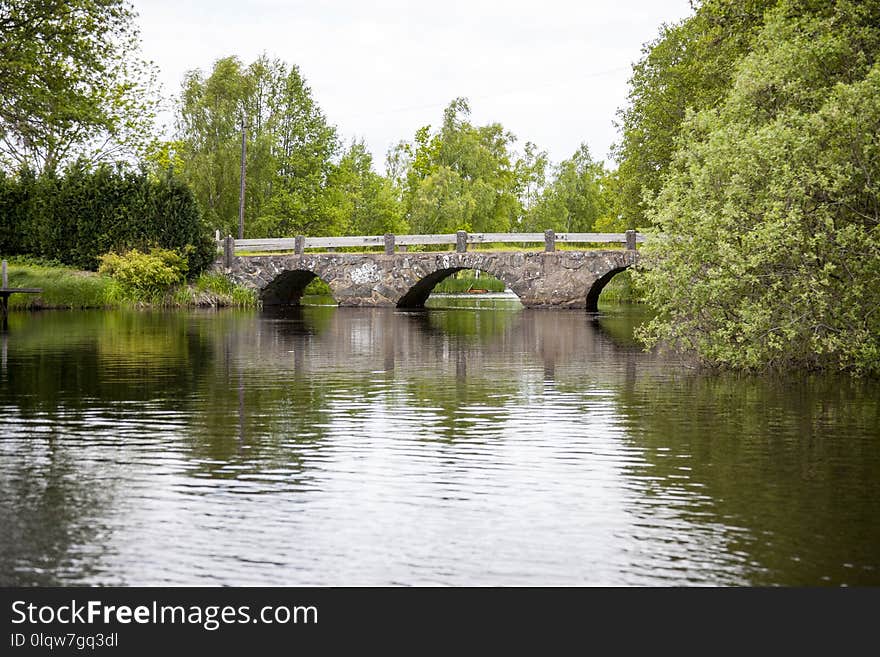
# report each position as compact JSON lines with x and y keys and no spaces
{"x":391,"y":242}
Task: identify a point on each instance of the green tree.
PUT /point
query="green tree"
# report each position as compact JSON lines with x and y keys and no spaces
{"x":359,"y":200}
{"x":461,"y":177}
{"x":689,"y":67}
{"x":574,"y":199}
{"x":78,"y":215}
{"x":290,"y":147}
{"x":530,"y":173}
{"x":769,"y":217}
{"x":72,"y":83}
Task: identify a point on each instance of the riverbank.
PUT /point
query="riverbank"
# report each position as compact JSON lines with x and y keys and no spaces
{"x":68,"y":288}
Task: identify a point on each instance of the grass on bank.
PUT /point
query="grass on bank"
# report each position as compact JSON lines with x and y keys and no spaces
{"x":468,"y":281}
{"x":68,"y":288}
{"x":63,"y":287}
{"x":208,"y":290}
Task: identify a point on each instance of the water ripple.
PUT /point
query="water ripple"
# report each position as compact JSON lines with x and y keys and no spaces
{"x":362,"y":447}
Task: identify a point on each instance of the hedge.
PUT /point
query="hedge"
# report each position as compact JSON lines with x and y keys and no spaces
{"x":77,"y":216}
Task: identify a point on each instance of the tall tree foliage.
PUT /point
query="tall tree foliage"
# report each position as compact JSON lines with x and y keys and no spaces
{"x":460,"y":177}
{"x":575,"y":198}
{"x":530,"y":172}
{"x":77,"y":216}
{"x":769,"y":250}
{"x":72,"y":84}
{"x":689,"y":67}
{"x":467,"y":177}
{"x":359,"y":200}
{"x":290,"y":147}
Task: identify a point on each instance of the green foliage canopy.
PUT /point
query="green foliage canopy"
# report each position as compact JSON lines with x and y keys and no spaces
{"x":689,"y":67}
{"x":359,"y":201}
{"x":289,"y":147}
{"x":467,"y":177}
{"x":296,"y":182}
{"x":461,"y":177}
{"x":769,"y":246}
{"x":72,"y":84}
{"x":76,"y":217}
{"x":574,"y":200}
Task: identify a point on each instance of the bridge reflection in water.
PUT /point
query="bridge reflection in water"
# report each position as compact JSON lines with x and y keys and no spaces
{"x":333,"y":446}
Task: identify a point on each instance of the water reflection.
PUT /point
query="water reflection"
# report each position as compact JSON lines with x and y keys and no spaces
{"x":785,"y":466}
{"x":321,"y":445}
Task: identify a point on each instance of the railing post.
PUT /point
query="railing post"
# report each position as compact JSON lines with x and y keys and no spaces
{"x":549,"y":240}
{"x":631,"y":240}
{"x":389,"y":243}
{"x":299,"y":244}
{"x":228,"y":250}
{"x":461,"y":241}
{"x":5,"y":279}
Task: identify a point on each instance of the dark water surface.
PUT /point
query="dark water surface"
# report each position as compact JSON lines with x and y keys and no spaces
{"x":451,"y":446}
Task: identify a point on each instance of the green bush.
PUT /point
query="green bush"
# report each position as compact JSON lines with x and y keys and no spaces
{"x":768,"y":248}
{"x":145,"y":275}
{"x":75,"y":217}
{"x":13,"y":213}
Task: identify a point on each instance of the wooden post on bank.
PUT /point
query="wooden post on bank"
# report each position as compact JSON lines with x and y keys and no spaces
{"x":5,"y":291}
{"x":228,"y":250}
{"x":4,"y":297}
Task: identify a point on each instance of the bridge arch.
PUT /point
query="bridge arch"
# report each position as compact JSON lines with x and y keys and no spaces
{"x":418,"y":293}
{"x":599,"y":285}
{"x":286,"y":289}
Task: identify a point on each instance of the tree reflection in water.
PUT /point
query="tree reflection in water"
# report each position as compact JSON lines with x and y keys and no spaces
{"x":510,"y":445}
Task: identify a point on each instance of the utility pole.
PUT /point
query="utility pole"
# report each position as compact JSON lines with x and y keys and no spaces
{"x":241,"y":189}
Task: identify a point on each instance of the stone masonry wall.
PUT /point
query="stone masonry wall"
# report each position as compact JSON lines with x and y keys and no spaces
{"x":562,"y":279}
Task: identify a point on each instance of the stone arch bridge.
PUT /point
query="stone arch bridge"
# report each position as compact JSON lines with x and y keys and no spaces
{"x":541,"y":279}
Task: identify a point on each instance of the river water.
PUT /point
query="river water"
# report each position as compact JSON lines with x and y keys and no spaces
{"x":478,"y":445}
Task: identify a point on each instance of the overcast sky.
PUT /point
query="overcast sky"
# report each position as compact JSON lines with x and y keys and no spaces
{"x":553,"y":72}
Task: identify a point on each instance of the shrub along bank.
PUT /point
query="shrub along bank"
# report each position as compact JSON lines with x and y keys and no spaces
{"x":67,"y":288}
